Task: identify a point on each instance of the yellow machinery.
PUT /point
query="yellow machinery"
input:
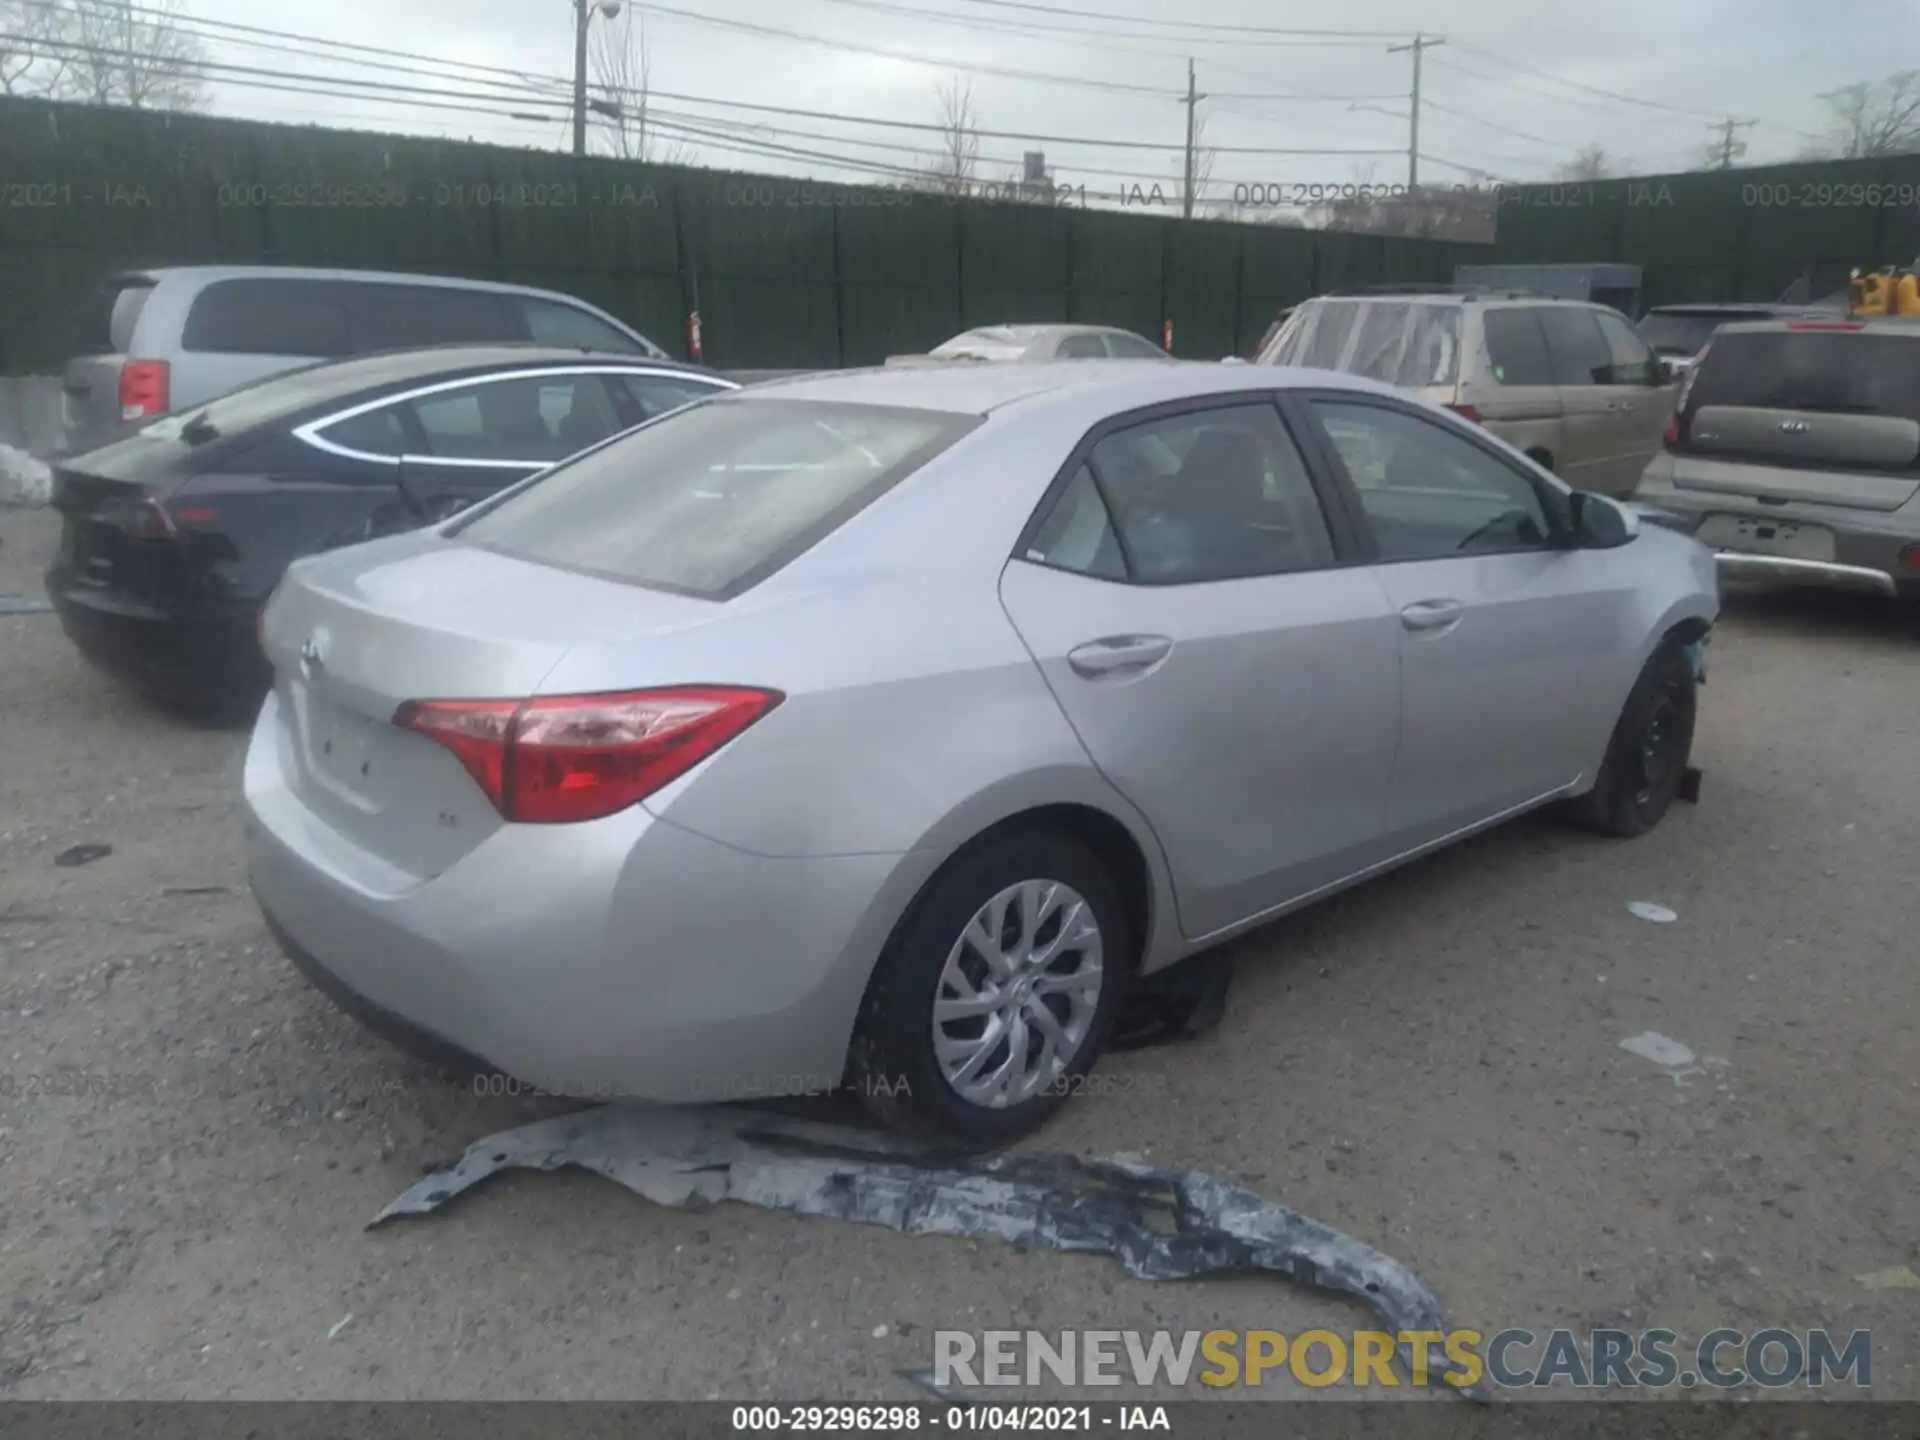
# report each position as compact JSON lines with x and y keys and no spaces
{"x":1885,"y":292}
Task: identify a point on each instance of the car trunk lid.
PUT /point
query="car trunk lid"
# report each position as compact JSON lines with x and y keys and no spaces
{"x":355,"y":634}
{"x":92,"y":406}
{"x":119,"y":541}
{"x":1824,"y":413}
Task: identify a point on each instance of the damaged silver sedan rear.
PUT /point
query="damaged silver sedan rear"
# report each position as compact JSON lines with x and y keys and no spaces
{"x":886,"y":728}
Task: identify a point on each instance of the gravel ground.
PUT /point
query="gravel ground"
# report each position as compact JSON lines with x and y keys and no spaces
{"x":1431,"y":1063}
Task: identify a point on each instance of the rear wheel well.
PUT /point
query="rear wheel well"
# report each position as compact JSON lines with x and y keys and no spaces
{"x":1112,"y":844}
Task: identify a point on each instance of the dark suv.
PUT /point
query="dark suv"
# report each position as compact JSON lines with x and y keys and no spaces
{"x":1794,"y":453}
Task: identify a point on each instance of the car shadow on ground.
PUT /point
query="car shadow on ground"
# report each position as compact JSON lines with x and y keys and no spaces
{"x":1787,"y":610}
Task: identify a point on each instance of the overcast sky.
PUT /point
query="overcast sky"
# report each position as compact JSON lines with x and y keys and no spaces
{"x":1513,"y":93}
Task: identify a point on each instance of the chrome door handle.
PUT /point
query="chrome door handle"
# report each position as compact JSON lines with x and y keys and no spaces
{"x":1118,"y":654}
{"x":1431,"y":614}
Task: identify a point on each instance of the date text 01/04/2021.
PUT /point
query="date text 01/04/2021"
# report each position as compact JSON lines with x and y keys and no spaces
{"x":958,"y":1419}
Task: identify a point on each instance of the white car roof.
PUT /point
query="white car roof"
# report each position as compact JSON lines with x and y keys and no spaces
{"x":979,"y":390}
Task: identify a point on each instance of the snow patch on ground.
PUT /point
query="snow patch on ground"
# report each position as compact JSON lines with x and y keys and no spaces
{"x":23,"y":479}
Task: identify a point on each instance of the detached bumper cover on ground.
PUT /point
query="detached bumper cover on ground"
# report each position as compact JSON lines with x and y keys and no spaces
{"x":1159,"y":1224}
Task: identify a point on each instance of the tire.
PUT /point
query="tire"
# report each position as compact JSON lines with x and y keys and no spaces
{"x":895,"y":1066}
{"x":1649,"y":751}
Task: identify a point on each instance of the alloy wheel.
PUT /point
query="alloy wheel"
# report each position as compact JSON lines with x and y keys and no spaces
{"x":1017,"y":998}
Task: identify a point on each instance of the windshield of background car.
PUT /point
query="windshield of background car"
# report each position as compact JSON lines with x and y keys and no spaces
{"x":1838,"y":371}
{"x":1678,"y":334}
{"x":710,"y":500}
{"x":1399,"y":342}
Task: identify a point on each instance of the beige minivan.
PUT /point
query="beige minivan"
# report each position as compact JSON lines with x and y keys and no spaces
{"x":1569,"y":383}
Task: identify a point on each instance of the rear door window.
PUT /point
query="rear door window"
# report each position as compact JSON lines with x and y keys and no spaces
{"x":1216,"y":494}
{"x":1578,"y":350}
{"x":1517,"y":346}
{"x":1839,"y":372}
{"x":269,"y":316}
{"x":711,"y":499}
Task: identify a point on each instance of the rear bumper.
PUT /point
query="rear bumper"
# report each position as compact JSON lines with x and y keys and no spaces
{"x":208,"y":654}
{"x":623,"y":959}
{"x":1867,"y":544}
{"x":1735,"y":565}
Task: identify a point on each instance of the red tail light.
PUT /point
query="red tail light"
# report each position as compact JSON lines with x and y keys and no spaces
{"x":1466,"y":412}
{"x":1910,"y":557}
{"x":1673,"y":430}
{"x":143,"y":389}
{"x":565,"y":758}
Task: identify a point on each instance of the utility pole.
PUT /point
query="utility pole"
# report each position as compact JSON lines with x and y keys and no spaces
{"x":581,"y":12}
{"x":1419,"y":45}
{"x":1729,"y":148}
{"x":1186,"y":190}
{"x":133,"y":80}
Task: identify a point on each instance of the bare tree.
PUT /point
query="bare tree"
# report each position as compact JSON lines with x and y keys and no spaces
{"x":1880,"y":117}
{"x":1592,"y":163}
{"x":621,"y":62}
{"x":952,"y":170}
{"x":103,"y":52}
{"x":1433,"y":212}
{"x":1203,"y":157}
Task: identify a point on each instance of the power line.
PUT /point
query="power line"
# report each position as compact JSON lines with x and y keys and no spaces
{"x":523,"y":81}
{"x":1581,"y":85}
{"x":907,"y":57}
{"x":1041,"y":29}
{"x":1110,"y":17}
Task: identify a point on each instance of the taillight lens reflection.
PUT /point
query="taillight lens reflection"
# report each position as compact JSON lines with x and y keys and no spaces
{"x":566,"y":758}
{"x":143,"y":389}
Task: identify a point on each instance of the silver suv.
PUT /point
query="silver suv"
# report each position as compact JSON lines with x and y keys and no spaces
{"x":1569,"y":383}
{"x":1794,"y":453}
{"x":169,"y":339}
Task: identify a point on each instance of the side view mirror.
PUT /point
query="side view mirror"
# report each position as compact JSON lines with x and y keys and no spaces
{"x":1599,"y":523}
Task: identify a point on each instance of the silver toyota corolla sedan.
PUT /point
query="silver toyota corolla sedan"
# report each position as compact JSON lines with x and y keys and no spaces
{"x":882,"y":728}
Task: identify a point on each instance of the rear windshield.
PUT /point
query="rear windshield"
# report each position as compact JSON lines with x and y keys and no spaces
{"x":712,"y":499}
{"x":1394,"y":341}
{"x":1680,"y":334}
{"x":1845,"y":372}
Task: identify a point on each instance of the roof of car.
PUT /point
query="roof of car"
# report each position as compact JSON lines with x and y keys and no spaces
{"x":1013,"y":334}
{"x":1907,"y":325}
{"x":979,"y":390}
{"x":393,"y":367}
{"x":206,"y":274}
{"x":1759,"y":309}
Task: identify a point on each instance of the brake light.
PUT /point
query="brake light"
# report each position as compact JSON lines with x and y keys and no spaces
{"x":1466,"y":412}
{"x":1673,"y":430}
{"x":1910,"y":557}
{"x":561,"y":759}
{"x":143,"y":389}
